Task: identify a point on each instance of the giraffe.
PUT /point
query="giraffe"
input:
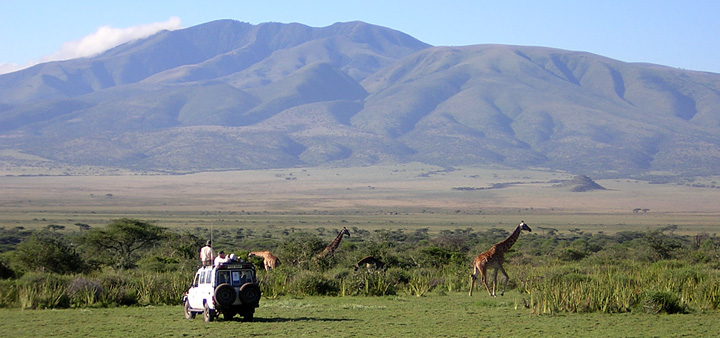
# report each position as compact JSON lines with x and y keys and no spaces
{"x":330,"y":249}
{"x":368,"y":262}
{"x":270,"y":261}
{"x":494,"y":258}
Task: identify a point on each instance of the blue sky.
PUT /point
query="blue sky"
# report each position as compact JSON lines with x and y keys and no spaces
{"x":682,"y":34}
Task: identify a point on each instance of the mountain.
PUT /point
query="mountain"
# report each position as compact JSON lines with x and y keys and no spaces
{"x":230,"y":95}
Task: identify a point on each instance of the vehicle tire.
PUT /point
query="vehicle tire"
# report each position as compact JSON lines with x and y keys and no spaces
{"x":188,"y":313}
{"x":225,"y":294}
{"x":208,"y":314}
{"x":249,"y":293}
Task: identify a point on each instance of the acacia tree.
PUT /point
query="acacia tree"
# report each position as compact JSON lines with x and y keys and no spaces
{"x":47,"y":252}
{"x":124,"y":238}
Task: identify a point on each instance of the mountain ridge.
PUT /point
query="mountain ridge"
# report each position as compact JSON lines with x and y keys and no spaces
{"x":278,"y":95}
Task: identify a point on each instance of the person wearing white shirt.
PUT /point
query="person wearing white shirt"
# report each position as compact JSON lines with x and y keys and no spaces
{"x":221,"y":258}
{"x":207,"y":254}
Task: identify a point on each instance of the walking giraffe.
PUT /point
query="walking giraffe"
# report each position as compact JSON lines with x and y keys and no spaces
{"x":330,"y":249}
{"x":494,"y":258}
{"x":270,"y":261}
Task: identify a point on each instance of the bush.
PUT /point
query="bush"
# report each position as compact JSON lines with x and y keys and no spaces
{"x":8,"y":293}
{"x":5,"y":271}
{"x":662,"y":302}
{"x":42,"y":291}
{"x":311,"y":283}
{"x":45,"y":252}
{"x":84,"y":292}
{"x":118,"y":289}
{"x":571,"y":255}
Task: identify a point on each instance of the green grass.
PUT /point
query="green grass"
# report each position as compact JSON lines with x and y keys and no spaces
{"x":450,"y":315}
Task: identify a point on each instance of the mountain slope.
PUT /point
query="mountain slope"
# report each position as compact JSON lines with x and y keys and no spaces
{"x":231,"y":95}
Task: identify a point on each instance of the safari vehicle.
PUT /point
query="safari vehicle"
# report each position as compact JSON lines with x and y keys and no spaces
{"x":226,"y":289}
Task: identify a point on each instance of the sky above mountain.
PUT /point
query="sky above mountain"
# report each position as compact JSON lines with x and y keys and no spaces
{"x":679,"y":34}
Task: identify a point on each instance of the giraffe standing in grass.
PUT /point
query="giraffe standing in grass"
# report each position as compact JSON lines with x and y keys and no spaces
{"x":270,"y":261}
{"x":330,"y":249}
{"x":494,"y":258}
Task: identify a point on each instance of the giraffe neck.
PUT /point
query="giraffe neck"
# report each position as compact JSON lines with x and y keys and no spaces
{"x":336,"y":242}
{"x":505,"y":245}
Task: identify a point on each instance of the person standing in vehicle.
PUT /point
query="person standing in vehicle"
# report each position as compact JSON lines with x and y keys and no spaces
{"x":221,"y":258}
{"x":207,"y":255}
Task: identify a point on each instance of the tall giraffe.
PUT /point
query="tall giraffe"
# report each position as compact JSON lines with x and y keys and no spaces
{"x":330,"y":249}
{"x":494,"y":258}
{"x":270,"y":261}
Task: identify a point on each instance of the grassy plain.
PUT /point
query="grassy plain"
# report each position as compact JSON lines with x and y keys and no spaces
{"x":451,"y":315}
{"x":403,"y":196}
{"x":383,"y":197}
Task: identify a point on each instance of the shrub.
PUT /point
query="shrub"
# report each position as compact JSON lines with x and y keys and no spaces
{"x":117,"y":289}
{"x":45,"y":252}
{"x":42,"y":291}
{"x":312,"y":283}
{"x":662,"y":302}
{"x":83,"y":292}
{"x":8,"y":293}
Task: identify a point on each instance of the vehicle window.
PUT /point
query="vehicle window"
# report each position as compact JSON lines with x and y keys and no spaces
{"x":236,"y":278}
{"x":208,"y":277}
{"x":196,"y":280}
{"x":241,"y":277}
{"x":223,"y":277}
{"x":202,"y":277}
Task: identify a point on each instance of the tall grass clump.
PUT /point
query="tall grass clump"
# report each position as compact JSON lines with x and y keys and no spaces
{"x":421,"y":282}
{"x":84,"y":292}
{"x":313,"y":283}
{"x":118,"y":289}
{"x":160,"y":288}
{"x":42,"y":291}
{"x":366,"y":282}
{"x":666,"y":287}
{"x":275,"y":283}
{"x":8,"y":293}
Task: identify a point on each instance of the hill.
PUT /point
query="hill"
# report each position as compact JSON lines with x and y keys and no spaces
{"x":231,"y":95}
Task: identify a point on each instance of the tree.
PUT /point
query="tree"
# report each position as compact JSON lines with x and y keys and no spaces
{"x":124,"y":238}
{"x":47,"y":252}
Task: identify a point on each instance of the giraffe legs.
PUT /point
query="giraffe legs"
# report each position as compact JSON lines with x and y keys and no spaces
{"x":483,"y":278}
{"x":473,"y":277}
{"x":494,"y":283}
{"x":505,"y":277}
{"x":482,"y":270}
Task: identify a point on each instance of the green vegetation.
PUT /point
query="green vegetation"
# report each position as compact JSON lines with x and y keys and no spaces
{"x":449,"y":315}
{"x":592,"y":267}
{"x":553,"y":272}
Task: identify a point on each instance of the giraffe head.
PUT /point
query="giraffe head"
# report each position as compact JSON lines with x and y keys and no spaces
{"x":524,"y":226}
{"x":345,"y":232}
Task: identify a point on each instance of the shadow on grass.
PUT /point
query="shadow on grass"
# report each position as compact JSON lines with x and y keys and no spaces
{"x":298,"y":319}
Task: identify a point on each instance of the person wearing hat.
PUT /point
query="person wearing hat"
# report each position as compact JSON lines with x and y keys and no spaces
{"x":207,"y":255}
{"x":221,"y":258}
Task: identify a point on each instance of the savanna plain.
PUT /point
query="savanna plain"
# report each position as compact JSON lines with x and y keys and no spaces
{"x":444,"y":205}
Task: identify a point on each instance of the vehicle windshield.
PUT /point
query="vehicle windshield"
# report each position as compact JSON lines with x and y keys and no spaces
{"x":234,"y":277}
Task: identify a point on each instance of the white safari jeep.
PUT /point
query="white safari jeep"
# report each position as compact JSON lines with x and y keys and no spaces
{"x":227,"y":289}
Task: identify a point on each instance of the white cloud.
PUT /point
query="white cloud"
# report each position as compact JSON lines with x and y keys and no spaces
{"x":7,"y":67}
{"x":104,"y":38}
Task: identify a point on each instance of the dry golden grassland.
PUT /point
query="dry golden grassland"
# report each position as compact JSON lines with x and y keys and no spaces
{"x":401,"y":196}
